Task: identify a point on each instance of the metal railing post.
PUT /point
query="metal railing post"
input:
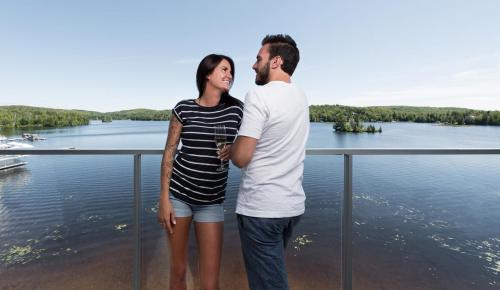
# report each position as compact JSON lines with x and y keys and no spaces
{"x":138,"y":222}
{"x":347,"y":225}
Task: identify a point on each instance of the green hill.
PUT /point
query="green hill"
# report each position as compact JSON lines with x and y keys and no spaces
{"x":37,"y":117}
{"x":140,"y":114}
{"x":25,"y":116}
{"x":452,"y":116}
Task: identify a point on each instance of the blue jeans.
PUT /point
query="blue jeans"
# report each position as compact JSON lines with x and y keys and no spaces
{"x":263,"y":242}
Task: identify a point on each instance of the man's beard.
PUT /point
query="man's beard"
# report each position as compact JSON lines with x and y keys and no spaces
{"x":262,"y":76}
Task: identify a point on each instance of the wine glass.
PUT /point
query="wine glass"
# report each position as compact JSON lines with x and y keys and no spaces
{"x":220,"y":142}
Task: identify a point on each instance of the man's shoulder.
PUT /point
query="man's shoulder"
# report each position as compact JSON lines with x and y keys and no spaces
{"x":279,"y":90}
{"x":279,"y":86}
{"x":255,"y":91}
{"x":254,"y":94}
{"x":271,"y":87}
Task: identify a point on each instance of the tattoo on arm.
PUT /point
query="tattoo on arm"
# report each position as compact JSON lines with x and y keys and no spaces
{"x":167,"y":163}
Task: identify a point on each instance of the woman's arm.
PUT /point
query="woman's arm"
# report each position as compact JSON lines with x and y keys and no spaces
{"x":166,"y":214}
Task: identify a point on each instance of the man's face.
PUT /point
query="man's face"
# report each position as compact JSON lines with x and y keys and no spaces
{"x":261,"y":66}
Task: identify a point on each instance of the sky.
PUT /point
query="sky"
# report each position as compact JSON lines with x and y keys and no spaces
{"x":115,"y":55}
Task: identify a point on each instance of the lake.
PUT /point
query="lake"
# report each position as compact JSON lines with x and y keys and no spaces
{"x":420,"y":222}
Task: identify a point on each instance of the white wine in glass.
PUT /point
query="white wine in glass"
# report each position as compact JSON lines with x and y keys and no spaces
{"x":220,"y":139}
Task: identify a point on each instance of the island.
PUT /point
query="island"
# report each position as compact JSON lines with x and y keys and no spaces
{"x":354,"y":126}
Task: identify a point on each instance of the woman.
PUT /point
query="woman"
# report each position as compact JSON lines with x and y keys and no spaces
{"x":192,"y":183}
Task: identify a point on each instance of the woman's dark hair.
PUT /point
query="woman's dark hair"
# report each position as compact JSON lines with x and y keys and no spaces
{"x":284,"y":46}
{"x":205,"y":68}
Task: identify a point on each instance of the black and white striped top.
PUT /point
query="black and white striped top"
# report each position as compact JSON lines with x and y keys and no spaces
{"x":194,"y":176}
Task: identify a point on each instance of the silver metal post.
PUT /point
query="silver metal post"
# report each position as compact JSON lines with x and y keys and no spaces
{"x":137,"y":220}
{"x":347,"y":225}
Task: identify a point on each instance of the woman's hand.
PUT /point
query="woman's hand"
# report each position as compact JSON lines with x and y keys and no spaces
{"x":224,"y":153}
{"x":166,"y":214}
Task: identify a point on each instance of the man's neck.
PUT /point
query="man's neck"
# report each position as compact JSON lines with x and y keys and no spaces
{"x":279,"y":76}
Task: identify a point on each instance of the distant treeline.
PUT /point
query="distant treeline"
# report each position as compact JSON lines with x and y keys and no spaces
{"x":140,"y":115}
{"x":24,"y":116}
{"x":35,"y":117}
{"x":451,"y":116}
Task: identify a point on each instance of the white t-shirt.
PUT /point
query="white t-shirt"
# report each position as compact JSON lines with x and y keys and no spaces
{"x":277,"y":115}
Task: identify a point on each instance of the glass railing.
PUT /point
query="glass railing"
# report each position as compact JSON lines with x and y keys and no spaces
{"x":135,"y":243}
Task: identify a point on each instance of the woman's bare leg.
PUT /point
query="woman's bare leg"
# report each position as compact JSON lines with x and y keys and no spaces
{"x":209,"y":238}
{"x":179,"y":253}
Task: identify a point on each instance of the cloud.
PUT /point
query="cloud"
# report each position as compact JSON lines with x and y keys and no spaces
{"x":475,"y":84}
{"x":482,"y":74}
{"x":483,"y":95}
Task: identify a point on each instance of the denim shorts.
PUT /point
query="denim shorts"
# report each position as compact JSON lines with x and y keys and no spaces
{"x":201,"y":213}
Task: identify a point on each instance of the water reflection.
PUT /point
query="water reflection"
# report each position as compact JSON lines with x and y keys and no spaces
{"x":395,"y":225}
{"x":16,"y":178}
{"x":418,"y":220}
{"x":11,"y":180}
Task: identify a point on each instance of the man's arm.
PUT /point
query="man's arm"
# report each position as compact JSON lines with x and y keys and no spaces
{"x":252,"y":124}
{"x":242,"y":150}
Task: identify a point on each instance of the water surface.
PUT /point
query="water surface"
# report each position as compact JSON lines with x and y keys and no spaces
{"x":421,"y":222}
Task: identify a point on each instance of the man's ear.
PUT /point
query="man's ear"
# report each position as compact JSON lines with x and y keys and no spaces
{"x":276,"y":62}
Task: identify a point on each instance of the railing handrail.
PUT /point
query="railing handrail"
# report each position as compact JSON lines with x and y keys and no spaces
{"x":310,"y":151}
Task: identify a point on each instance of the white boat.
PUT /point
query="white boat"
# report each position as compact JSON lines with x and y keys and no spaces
{"x":10,"y":161}
{"x":32,"y":137}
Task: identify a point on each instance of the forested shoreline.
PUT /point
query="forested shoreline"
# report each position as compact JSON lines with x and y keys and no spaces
{"x":36,"y":117}
{"x":450,"y":116}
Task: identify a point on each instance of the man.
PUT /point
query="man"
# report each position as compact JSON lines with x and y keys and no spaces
{"x":270,"y":148}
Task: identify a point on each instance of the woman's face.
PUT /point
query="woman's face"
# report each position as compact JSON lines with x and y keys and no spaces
{"x":222,"y":76}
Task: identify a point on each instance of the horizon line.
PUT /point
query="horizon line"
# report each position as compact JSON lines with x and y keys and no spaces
{"x":169,"y":109}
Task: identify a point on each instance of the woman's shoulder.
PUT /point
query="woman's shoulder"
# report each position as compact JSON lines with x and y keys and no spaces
{"x":186,"y":103}
{"x":234,"y":102}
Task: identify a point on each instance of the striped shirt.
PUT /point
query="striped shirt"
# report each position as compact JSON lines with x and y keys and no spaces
{"x":194,"y":176}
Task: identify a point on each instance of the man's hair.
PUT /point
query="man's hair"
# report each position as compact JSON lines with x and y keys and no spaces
{"x":284,"y":46}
